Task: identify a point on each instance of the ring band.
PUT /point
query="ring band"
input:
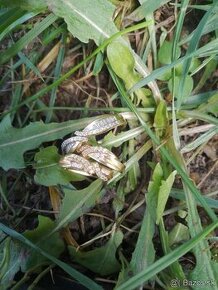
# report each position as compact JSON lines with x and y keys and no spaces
{"x":70,"y":144}
{"x":80,"y":165}
{"x":102,"y":155}
{"x":77,"y":164}
{"x":102,"y":172}
{"x":101,"y":125}
{"x":94,"y":161}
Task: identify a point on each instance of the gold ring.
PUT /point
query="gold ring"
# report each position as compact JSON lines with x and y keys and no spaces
{"x":103,"y":162}
{"x":77,"y":164}
{"x":101,"y":155}
{"x":71,"y":144}
{"x":102,"y":172}
{"x":80,"y":165}
{"x":101,"y":125}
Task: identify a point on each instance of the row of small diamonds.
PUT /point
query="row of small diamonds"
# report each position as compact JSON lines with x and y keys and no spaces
{"x":100,"y":123}
{"x":98,"y":151}
{"x":100,"y":127}
{"x":75,"y":165}
{"x":72,"y":140}
{"x":98,"y":172}
{"x":87,"y":166}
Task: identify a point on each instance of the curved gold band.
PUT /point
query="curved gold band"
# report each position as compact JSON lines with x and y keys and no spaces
{"x":95,"y":160}
{"x":101,"y":155}
{"x":80,"y":165}
{"x":77,"y":164}
{"x":102,"y":125}
{"x":71,"y":144}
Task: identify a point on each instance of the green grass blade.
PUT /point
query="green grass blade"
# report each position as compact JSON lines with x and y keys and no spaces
{"x":9,"y":17}
{"x":204,"y":138}
{"x":29,"y":64}
{"x":82,"y":279}
{"x":27,"y":38}
{"x":179,"y":194}
{"x":57,"y":73}
{"x":203,"y":51}
{"x":165,"y":261}
{"x":9,"y":71}
{"x":16,"y":22}
{"x":165,"y":152}
{"x":174,"y":56}
{"x":75,"y":68}
{"x":122,"y":137}
{"x":192,"y":47}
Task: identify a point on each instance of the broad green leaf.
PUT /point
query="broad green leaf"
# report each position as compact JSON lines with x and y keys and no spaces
{"x":165,"y":51}
{"x":121,"y":59}
{"x":82,"y":279}
{"x":77,"y":202}
{"x":144,"y":253}
{"x":163,"y":194}
{"x":14,"y":142}
{"x":86,"y":19}
{"x":101,"y":260}
{"x":10,"y":261}
{"x":54,"y":245}
{"x":161,"y":120}
{"x":123,"y":63}
{"x":188,"y":85}
{"x":153,"y":188}
{"x":48,"y":170}
{"x":205,"y":270}
{"x":19,"y":257}
{"x":30,"y":5}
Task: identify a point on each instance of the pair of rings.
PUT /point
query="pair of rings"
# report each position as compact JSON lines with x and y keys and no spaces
{"x":95,"y":161}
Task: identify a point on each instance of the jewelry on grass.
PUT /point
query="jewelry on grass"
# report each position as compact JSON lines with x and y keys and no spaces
{"x":88,"y":160}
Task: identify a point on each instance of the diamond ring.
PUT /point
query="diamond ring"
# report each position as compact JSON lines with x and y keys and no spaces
{"x":71,"y":144}
{"x":91,"y":160}
{"x":101,"y":155}
{"x":77,"y":164}
{"x":80,"y":165}
{"x":102,"y":125}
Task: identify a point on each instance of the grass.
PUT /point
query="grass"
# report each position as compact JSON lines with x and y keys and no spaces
{"x":53,"y":220}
